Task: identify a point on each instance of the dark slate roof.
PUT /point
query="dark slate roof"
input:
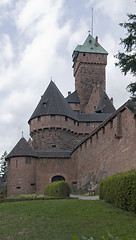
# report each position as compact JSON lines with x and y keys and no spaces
{"x":53,"y":154}
{"x":105,"y":105}
{"x":53,"y":103}
{"x":92,"y":117}
{"x":73,"y":98}
{"x":21,"y":149}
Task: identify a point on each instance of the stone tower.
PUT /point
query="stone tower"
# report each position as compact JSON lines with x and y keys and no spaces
{"x":90,"y":60}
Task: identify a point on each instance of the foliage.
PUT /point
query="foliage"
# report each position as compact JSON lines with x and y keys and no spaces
{"x":3,"y":196}
{"x":58,"y":189}
{"x":62,"y":219}
{"x":127,"y":59}
{"x":120,"y":190}
{"x":3,"y":169}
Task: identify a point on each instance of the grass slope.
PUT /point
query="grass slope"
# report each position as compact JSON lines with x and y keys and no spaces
{"x":62,"y":219}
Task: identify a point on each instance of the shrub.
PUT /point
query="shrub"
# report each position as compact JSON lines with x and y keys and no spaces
{"x":3,"y":196}
{"x":120,"y":190}
{"x":58,"y":189}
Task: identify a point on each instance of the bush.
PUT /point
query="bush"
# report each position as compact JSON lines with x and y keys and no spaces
{"x":58,"y":189}
{"x":120,"y":190}
{"x":3,"y":196}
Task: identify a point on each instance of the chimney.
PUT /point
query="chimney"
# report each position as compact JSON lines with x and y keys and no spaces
{"x":69,"y":92}
{"x":96,"y":41}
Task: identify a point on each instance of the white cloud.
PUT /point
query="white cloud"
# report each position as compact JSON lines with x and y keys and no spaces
{"x":6,"y":49}
{"x":5,"y":2}
{"x":40,"y":47}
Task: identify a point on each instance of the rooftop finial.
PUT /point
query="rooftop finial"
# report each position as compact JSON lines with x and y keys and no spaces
{"x":22,"y":134}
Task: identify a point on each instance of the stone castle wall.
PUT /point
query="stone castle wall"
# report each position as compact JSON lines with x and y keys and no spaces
{"x":89,"y":71}
{"x":46,"y":169}
{"x":110,"y":150}
{"x":21,"y":176}
{"x":58,"y":133}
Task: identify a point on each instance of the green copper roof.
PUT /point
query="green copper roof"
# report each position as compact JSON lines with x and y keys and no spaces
{"x":90,"y":46}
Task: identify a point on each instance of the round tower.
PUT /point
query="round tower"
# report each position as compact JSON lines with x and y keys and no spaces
{"x":90,"y":60}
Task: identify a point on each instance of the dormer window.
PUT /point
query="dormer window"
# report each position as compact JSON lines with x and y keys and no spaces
{"x":44,"y":104}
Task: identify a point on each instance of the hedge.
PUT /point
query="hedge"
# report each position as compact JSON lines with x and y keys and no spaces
{"x":57,"y":189}
{"x":120,"y":190}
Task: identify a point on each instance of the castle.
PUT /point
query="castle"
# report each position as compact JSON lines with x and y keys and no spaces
{"x":81,"y":138}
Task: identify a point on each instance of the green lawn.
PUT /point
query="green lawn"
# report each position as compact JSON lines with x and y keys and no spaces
{"x":62,"y":219}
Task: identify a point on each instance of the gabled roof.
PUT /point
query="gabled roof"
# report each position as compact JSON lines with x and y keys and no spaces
{"x":89,"y":46}
{"x":21,"y":149}
{"x":105,"y":105}
{"x":53,"y":103}
{"x":73,"y":98}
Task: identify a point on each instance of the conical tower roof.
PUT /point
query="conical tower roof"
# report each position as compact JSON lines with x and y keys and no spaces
{"x":53,"y":103}
{"x":105,"y":105}
{"x":21,"y":149}
{"x":90,"y":45}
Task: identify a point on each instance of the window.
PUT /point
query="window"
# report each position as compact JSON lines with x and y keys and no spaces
{"x":18,"y":187}
{"x":87,"y":123}
{"x":66,"y":118}
{"x":28,"y":160}
{"x":44,"y":104}
{"x":103,"y":130}
{"x":53,"y":145}
{"x":16,"y":163}
{"x":52,"y":117}
{"x":44,"y":161}
{"x":60,"y":161}
{"x":111,"y":124}
{"x":39,"y":118}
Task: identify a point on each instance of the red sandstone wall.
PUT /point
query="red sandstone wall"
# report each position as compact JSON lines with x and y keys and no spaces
{"x":21,"y":176}
{"x":89,"y":70}
{"x":46,"y":169}
{"x":60,"y":122}
{"x":56,"y":139}
{"x":60,"y":133}
{"x":112,"y":149}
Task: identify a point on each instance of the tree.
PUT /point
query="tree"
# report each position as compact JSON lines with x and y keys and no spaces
{"x":127,"y":59}
{"x":3,"y":169}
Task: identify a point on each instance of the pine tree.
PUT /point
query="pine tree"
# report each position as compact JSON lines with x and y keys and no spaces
{"x":127,"y":59}
{"x":3,"y":169}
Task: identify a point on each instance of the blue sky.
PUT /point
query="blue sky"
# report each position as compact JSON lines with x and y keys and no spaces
{"x":37,"y":38}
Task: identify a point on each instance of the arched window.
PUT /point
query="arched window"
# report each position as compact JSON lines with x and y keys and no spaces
{"x":58,"y":178}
